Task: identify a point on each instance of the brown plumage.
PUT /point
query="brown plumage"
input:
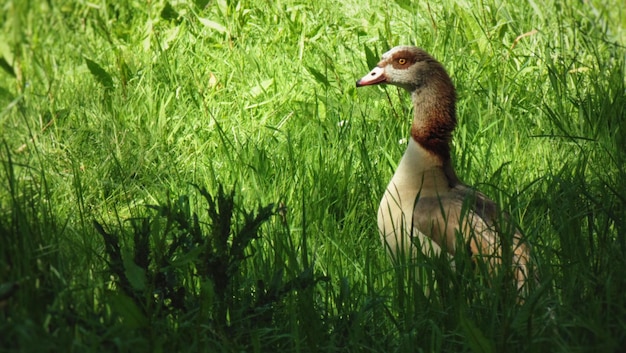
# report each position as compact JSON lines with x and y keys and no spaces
{"x":425,"y":202}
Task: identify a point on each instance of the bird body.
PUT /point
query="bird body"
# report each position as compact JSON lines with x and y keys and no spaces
{"x":425,"y":205}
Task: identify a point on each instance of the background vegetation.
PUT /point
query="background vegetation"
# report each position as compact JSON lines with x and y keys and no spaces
{"x":204,"y":176}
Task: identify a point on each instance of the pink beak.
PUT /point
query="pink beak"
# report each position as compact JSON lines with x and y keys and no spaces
{"x":377,"y":75}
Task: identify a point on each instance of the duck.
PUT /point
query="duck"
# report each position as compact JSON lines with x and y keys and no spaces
{"x":425,"y":206}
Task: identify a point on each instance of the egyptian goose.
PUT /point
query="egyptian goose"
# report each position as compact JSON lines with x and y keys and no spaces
{"x":425,"y":202}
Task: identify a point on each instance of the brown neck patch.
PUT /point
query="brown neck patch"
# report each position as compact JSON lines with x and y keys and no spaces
{"x":435,"y":119}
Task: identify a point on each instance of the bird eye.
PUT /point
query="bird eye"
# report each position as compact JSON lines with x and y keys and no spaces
{"x":402,"y":61}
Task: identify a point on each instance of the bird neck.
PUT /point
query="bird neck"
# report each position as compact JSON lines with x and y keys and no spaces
{"x":423,"y":172}
{"x":434,"y":121}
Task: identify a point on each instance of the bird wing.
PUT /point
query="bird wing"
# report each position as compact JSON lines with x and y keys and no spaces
{"x":470,"y":214}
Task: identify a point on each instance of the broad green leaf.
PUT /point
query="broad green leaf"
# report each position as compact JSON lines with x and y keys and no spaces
{"x":6,"y":66}
{"x":405,"y":4}
{"x":100,"y":74}
{"x":168,"y":12}
{"x":474,"y":337}
{"x":212,"y":25}
{"x":135,"y":274}
{"x":320,"y":77}
{"x":132,"y":316}
{"x":261,"y":87}
{"x":370,"y":57}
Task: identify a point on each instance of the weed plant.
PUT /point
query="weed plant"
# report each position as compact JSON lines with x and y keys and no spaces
{"x":203,"y":176}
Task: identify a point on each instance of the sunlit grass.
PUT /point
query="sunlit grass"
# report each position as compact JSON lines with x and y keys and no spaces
{"x":107,"y":109}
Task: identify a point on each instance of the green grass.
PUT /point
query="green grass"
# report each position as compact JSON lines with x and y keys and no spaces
{"x":111,"y":113}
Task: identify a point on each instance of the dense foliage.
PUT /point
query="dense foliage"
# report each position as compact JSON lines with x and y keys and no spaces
{"x":204,"y":176}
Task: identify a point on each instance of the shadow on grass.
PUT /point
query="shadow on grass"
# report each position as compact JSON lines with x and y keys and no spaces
{"x":173,"y":266}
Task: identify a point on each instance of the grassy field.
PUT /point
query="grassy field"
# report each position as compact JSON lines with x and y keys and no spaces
{"x":204,"y":176}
